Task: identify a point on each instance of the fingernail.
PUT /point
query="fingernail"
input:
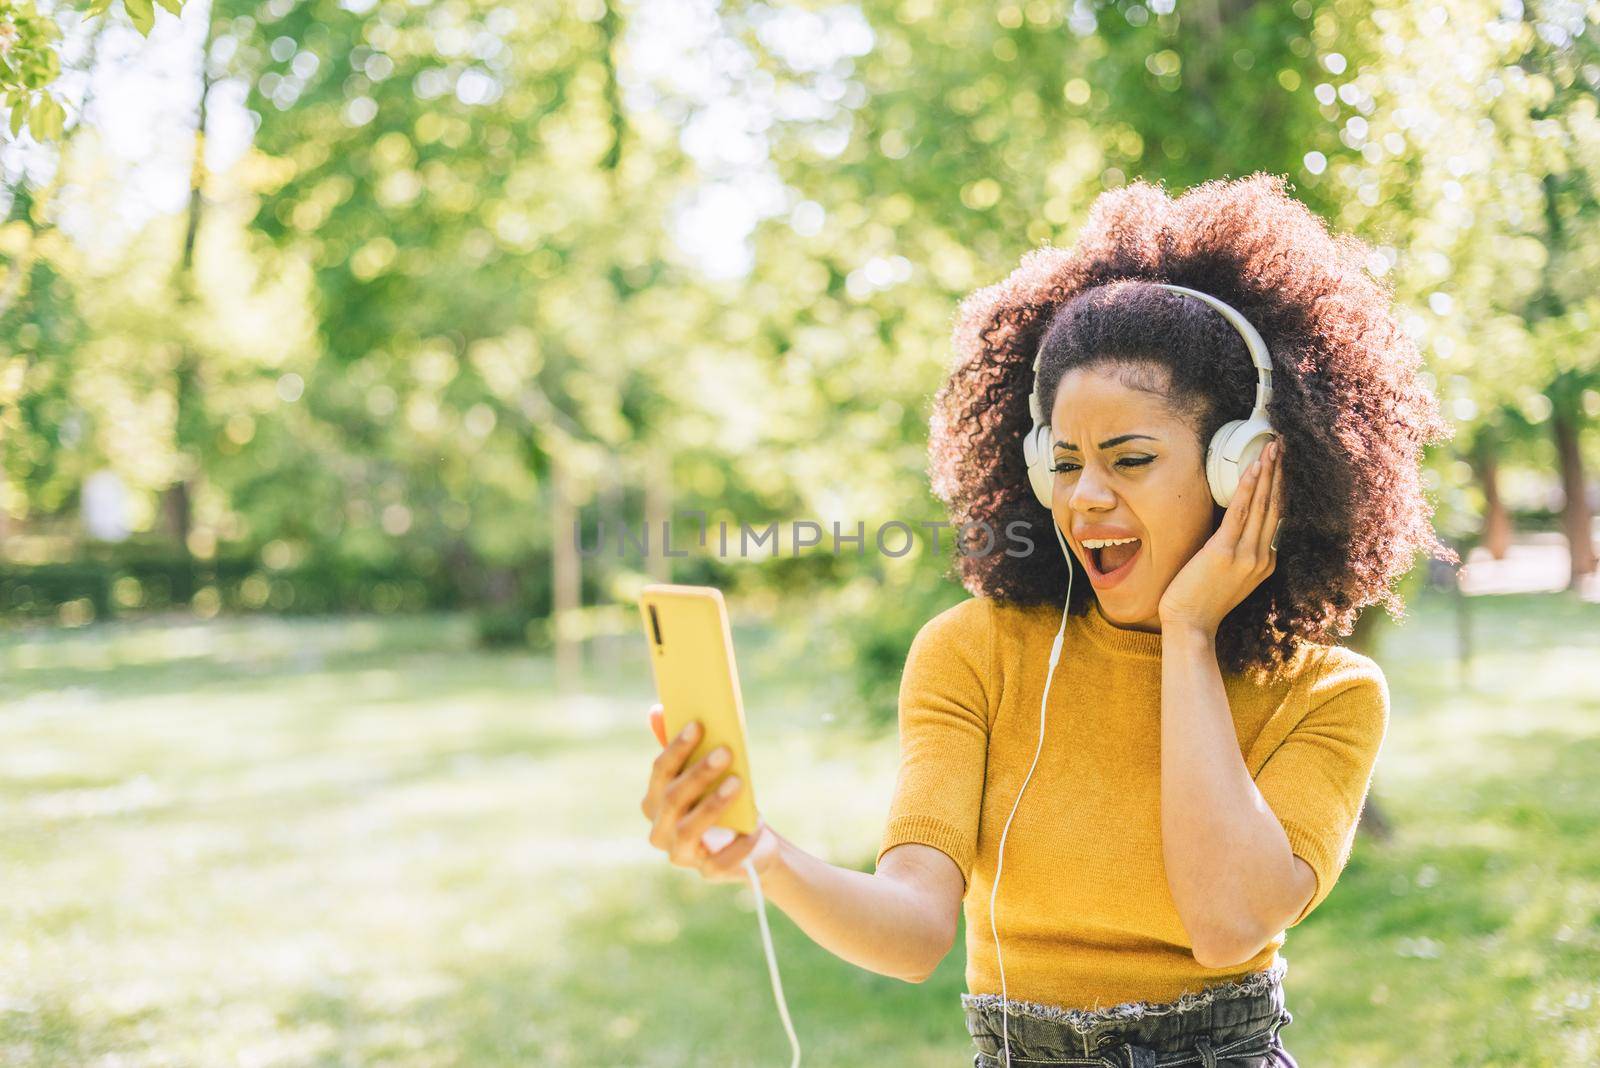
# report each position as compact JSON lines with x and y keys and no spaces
{"x":719,"y":756}
{"x":729,"y":785}
{"x":1255,"y":466}
{"x":688,"y":732}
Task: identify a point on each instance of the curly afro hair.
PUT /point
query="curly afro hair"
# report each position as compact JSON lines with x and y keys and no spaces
{"x":1347,"y":400}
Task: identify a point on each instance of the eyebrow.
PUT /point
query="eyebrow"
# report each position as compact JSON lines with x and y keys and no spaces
{"x":1109,"y":442}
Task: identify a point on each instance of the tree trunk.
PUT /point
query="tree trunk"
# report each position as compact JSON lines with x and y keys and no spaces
{"x":1374,"y":821}
{"x":176,"y":505}
{"x":187,"y":387}
{"x":1576,"y":519}
{"x":657,"y":514}
{"x":1496,"y":518}
{"x":1368,"y":629}
{"x":566,"y":578}
{"x":1364,"y":639}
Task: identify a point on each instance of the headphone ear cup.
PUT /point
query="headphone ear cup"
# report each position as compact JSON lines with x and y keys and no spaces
{"x":1036,"y":453}
{"x":1221,"y":477}
{"x":1233,"y":448}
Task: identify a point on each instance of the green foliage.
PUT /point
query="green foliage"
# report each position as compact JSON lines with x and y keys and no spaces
{"x":488,"y":291}
{"x":511,"y":628}
{"x":29,"y":62}
{"x":446,"y":267}
{"x":147,"y":576}
{"x":874,"y":635}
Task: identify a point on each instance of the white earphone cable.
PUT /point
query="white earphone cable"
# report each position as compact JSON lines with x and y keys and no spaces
{"x":1055,"y":655}
{"x":772,"y":962}
{"x":761,"y":901}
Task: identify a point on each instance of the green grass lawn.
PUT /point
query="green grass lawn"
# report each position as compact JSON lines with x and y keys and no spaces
{"x":356,"y":842}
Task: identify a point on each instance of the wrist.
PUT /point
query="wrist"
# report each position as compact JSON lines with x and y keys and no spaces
{"x":777,"y":872}
{"x":1187,"y":632}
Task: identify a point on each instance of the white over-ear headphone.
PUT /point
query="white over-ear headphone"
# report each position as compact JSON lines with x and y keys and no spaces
{"x":1233,"y":447}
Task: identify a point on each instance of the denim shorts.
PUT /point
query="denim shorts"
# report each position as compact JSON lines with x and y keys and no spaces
{"x":1233,"y":1024}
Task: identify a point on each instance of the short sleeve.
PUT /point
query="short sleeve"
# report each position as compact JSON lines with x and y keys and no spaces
{"x":1316,"y":781}
{"x":944,"y":735}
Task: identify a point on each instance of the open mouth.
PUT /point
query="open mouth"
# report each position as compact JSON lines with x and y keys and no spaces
{"x":1112,"y":561}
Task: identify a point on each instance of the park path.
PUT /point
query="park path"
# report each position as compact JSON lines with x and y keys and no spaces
{"x":1535,"y":563}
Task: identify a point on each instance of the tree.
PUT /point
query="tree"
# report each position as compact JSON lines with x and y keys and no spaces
{"x":486,"y":226}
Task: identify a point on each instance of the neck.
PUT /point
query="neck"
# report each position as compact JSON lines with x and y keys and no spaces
{"x":1147,"y":626}
{"x":1141,"y":640}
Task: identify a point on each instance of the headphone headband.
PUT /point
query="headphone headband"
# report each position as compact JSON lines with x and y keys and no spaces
{"x":1252,"y":341}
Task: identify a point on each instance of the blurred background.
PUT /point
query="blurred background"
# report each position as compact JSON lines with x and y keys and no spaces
{"x":348,"y":350}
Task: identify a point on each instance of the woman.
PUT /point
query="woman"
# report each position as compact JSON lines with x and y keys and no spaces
{"x":1195,"y":765}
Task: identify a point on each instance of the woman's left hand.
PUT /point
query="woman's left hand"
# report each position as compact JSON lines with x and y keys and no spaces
{"x":1237,"y":558}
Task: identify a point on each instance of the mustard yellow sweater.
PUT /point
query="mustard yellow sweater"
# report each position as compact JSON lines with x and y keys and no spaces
{"x":1086,"y":918}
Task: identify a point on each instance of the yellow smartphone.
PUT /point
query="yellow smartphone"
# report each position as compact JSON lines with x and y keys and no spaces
{"x":691,"y":656}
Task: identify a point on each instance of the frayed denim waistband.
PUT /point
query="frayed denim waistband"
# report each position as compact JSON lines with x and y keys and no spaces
{"x":1083,"y":1021}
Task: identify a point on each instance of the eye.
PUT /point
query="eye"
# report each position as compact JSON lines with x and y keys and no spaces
{"x":1127,"y":461}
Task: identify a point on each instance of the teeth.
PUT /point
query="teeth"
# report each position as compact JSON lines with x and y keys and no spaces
{"x":1101,"y":543}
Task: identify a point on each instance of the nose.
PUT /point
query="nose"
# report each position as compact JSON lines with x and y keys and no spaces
{"x":1090,"y":493}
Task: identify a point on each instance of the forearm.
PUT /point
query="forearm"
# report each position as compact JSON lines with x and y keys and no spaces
{"x":870,"y":920}
{"x":1226,"y":854}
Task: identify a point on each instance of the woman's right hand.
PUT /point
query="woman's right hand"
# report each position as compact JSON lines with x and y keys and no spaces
{"x":681,"y":810}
